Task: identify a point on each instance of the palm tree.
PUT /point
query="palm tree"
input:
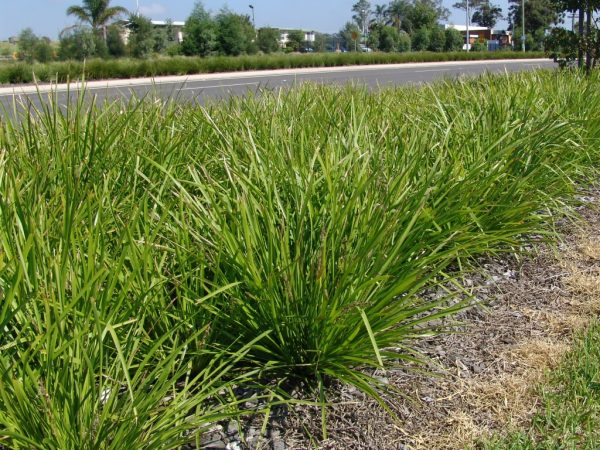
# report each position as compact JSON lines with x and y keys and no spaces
{"x":97,"y":13}
{"x":380,"y":13}
{"x":397,"y":11}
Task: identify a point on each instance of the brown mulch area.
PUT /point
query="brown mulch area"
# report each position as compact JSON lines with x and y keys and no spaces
{"x":486,"y":375}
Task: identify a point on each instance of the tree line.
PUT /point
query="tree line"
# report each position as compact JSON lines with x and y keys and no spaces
{"x":108,"y":31}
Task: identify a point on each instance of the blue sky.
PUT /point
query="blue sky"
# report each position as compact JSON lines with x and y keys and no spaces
{"x":47,"y":17}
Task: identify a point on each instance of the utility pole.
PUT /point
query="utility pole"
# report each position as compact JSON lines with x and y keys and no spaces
{"x":363,"y":14}
{"x":137,"y":7}
{"x":523,"y":24}
{"x":468,"y":34}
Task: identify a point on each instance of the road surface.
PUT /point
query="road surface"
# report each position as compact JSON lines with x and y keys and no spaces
{"x":211,"y":87}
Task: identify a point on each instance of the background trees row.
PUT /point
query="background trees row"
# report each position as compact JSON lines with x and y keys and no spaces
{"x":104,"y":30}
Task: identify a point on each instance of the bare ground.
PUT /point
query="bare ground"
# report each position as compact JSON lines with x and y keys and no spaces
{"x":486,"y":376}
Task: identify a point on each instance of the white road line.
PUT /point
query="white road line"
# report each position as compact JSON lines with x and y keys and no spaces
{"x":217,"y":86}
{"x":431,"y":70}
{"x":173,"y":79}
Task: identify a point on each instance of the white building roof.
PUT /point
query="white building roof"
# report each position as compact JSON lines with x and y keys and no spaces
{"x":164,"y":23}
{"x":464,"y":28}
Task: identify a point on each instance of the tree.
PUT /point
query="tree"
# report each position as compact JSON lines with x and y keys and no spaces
{"x":373,"y":40}
{"x":420,"y":40}
{"x":43,"y":51}
{"x":141,"y":39}
{"x":380,"y":14}
{"x":321,"y":42}
{"x":96,"y":13}
{"x":437,"y":39}
{"x":114,"y":41}
{"x":462,"y":5}
{"x":389,"y":39}
{"x":77,"y":42}
{"x":397,"y":13}
{"x":349,"y":36}
{"x":539,"y":15}
{"x":437,"y":5}
{"x":584,"y":46}
{"x":268,"y":40}
{"x":404,"y":42}
{"x":26,"y":44}
{"x":235,"y":33}
{"x":200,"y":32}
{"x":454,"y":40}
{"x":423,"y":15}
{"x":487,"y":15}
{"x":295,"y":40}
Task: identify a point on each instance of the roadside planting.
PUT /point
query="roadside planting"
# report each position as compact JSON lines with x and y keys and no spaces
{"x":123,"y":68}
{"x":158,"y":261}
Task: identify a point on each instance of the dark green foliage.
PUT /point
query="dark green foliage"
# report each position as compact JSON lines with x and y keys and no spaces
{"x":389,"y":39}
{"x":539,"y":15}
{"x":268,"y":40}
{"x":404,"y":42}
{"x":295,"y":40}
{"x":77,"y":43}
{"x":114,"y":42}
{"x":235,"y":34}
{"x":420,"y":39}
{"x":583,"y":44}
{"x":43,"y":51}
{"x":200,"y":33}
{"x":374,"y":38}
{"x":454,"y":40}
{"x":142,"y":36}
{"x":423,"y":16}
{"x":26,"y":45}
{"x":437,"y":39}
{"x":487,"y":15}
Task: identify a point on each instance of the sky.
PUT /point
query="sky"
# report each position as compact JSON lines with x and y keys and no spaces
{"x":48,"y":17}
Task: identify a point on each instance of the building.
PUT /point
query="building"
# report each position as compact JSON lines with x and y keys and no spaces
{"x":309,"y":36}
{"x":177,"y":27}
{"x":496,"y":39}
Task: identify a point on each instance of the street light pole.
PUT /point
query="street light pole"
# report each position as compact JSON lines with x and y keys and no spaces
{"x":523,"y":23}
{"x":363,"y":14}
{"x":468,"y":34}
{"x":253,"y":21}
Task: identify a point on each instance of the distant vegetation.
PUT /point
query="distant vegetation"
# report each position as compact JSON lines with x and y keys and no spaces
{"x":98,"y":69}
{"x":107,"y":31}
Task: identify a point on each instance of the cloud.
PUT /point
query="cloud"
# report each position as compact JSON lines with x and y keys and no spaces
{"x":153,"y":10}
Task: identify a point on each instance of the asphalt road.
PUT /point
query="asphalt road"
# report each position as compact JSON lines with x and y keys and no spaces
{"x":215,"y":87}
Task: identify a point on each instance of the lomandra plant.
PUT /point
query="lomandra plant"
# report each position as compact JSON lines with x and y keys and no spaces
{"x":84,"y":283}
{"x":157,"y":256}
{"x":335,"y":220}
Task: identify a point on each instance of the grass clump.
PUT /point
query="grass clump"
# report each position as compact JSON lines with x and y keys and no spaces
{"x":155,"y":257}
{"x":100,"y":69}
